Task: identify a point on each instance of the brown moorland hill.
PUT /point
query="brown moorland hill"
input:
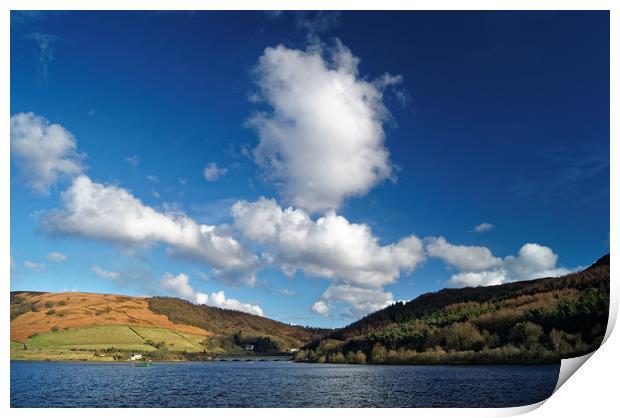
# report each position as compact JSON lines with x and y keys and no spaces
{"x":37,"y":312}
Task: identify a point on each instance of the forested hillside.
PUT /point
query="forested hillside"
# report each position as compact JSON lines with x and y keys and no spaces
{"x":536,"y":321}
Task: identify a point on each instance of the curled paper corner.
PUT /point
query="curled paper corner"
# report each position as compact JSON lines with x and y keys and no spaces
{"x":568,"y":367}
{"x":613,"y":315}
{"x":518,"y":410}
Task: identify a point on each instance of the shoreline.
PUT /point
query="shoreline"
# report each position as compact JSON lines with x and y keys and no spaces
{"x":249,"y":360}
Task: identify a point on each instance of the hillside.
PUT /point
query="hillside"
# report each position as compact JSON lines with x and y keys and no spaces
{"x":244,"y":327}
{"x":535,"y":321}
{"x":36,"y":312}
{"x":100,"y":326}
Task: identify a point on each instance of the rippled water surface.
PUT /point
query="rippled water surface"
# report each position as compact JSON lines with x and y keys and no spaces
{"x":276,"y":384}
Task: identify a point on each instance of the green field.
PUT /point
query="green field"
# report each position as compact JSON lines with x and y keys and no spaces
{"x":97,"y":342}
{"x":174,"y":340}
{"x":58,"y":355}
{"x":97,"y":337}
{"x":16,"y":345}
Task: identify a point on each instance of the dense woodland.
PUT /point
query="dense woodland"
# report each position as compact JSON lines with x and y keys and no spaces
{"x":536,"y":321}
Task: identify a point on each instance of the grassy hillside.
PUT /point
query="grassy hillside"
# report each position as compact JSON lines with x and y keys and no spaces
{"x":88,"y":326}
{"x":536,"y":321}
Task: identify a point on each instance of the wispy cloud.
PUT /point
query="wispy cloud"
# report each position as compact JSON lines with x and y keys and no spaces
{"x":134,"y":160}
{"x":317,"y":22}
{"x":44,"y":51}
{"x":99,"y":272}
{"x":19,"y":17}
{"x":212,"y":172}
{"x":56,"y":257}
{"x":31,"y":265}
{"x":565,"y":173}
{"x":286,"y":292}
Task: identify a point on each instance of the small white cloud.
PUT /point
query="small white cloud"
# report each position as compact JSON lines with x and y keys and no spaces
{"x":134,"y":160}
{"x":183,"y":181}
{"x":534,"y":261}
{"x":463,"y":257}
{"x":153,"y":179}
{"x":484,"y":227}
{"x":218,"y":299}
{"x":212,"y":172}
{"x":320,"y":308}
{"x":180,"y":286}
{"x":105,"y":273}
{"x":44,"y":152}
{"x":31,"y":265}
{"x":56,"y":257}
{"x":359,"y":300}
{"x":478,"y":278}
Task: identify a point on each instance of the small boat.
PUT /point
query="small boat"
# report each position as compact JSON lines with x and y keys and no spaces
{"x":143,"y":364}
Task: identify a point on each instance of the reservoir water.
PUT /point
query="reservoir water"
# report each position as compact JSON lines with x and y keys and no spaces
{"x":275,"y":384}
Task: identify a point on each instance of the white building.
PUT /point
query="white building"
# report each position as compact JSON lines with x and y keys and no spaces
{"x":135,"y":357}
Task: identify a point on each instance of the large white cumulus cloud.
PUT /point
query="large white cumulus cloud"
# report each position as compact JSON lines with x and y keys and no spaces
{"x":323,"y":139}
{"x":44,"y":152}
{"x":179,"y":285}
{"x":330,"y":247}
{"x":110,"y":213}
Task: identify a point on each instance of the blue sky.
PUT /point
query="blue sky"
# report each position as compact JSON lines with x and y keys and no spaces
{"x":311,"y":167}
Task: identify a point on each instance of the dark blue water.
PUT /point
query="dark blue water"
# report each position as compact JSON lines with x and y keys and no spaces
{"x":276,"y":384}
